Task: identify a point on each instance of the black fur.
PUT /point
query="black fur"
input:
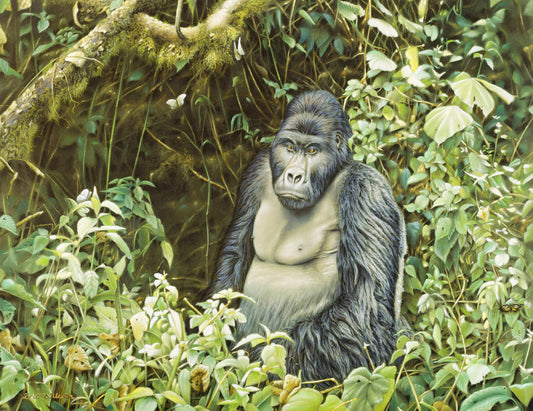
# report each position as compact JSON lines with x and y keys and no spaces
{"x":369,"y":257}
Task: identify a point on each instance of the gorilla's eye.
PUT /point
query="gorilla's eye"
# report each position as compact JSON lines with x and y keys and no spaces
{"x":290,"y":147}
{"x":312,"y":151}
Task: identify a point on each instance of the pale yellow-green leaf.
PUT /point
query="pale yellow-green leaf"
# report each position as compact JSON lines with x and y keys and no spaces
{"x":412,"y":56}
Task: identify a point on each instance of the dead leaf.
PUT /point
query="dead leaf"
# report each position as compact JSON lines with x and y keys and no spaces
{"x":77,"y":359}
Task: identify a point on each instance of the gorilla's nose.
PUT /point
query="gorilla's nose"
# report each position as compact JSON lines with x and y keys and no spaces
{"x":295,"y":175}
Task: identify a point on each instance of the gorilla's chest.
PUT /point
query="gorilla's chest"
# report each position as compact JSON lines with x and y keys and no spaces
{"x":289,"y":237}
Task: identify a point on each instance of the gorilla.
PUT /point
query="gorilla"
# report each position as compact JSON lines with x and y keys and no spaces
{"x":317,"y":240}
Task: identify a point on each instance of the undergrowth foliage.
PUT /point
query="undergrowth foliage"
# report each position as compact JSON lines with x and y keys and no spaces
{"x":441,"y":103}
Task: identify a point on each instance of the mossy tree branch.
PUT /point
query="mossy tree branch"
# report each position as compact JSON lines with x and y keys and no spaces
{"x":128,"y":29}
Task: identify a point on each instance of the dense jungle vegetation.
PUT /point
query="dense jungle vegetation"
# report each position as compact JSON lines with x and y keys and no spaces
{"x":121,"y":148}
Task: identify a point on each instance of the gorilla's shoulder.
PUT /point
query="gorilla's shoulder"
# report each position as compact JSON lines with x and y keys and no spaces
{"x":358,"y":174}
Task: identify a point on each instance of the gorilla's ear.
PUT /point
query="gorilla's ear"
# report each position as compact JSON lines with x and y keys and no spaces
{"x":338,"y":139}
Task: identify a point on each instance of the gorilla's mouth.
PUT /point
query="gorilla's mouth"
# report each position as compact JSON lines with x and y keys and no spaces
{"x":292,"y":196}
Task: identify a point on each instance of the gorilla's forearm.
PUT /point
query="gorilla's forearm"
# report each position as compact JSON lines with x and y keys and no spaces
{"x":338,"y":340}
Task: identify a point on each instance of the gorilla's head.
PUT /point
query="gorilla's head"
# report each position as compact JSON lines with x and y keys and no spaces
{"x":310,"y":149}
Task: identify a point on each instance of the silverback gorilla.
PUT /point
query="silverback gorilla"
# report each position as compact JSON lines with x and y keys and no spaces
{"x":317,"y":240}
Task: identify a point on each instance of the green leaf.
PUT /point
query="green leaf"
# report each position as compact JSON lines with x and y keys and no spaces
{"x":332,"y":403}
{"x":172,"y":396}
{"x":349,"y":10}
{"x":389,"y":373}
{"x":168,"y":253}
{"x":444,"y":122}
{"x":379,"y":61}
{"x":444,"y":227}
{"x":410,"y":25}
{"x":12,"y":380}
{"x":485,"y":399}
{"x":18,"y":290}
{"x":417,"y":178}
{"x":139,"y":392}
{"x":121,"y":244}
{"x":3,"y":5}
{"x":90,"y":287}
{"x":500,"y":92}
{"x":7,"y":223}
{"x":306,"y":399}
{"x":384,"y":27}
{"x":442,"y":248}
{"x":7,"y":312}
{"x":289,"y":40}
{"x":369,"y":389}
{"x":412,"y":232}
{"x":524,"y":392}
{"x":110,"y":396}
{"x":146,"y":404}
{"x":305,"y":15}
{"x":472,"y":92}
{"x":476,"y":373}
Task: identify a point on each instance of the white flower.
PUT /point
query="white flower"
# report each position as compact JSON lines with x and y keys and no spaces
{"x":84,"y":195}
{"x":152,"y":350}
{"x":238,"y":51}
{"x":174,"y":103}
{"x":161,"y":279}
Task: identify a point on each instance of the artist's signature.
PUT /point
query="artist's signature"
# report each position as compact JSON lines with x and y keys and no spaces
{"x":55,"y":396}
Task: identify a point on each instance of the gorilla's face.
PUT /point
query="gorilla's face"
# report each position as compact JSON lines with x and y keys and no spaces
{"x":302,"y":167}
{"x":309,"y":150}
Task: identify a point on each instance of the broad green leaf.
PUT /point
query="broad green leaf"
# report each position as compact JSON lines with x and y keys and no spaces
{"x":384,"y":27}
{"x":389,"y":373}
{"x":110,"y":396}
{"x":417,"y":178}
{"x":184,"y":385}
{"x":9,"y":286}
{"x":444,"y":122}
{"x":84,"y":225}
{"x":273,"y":357}
{"x":485,"y":399}
{"x":500,"y":92}
{"x":139,"y":392}
{"x":332,"y":403}
{"x":379,"y":61}
{"x":524,"y":392}
{"x":146,"y":404}
{"x":369,"y":389}
{"x":443,"y":228}
{"x":501,"y":259}
{"x":349,"y":10}
{"x":12,"y":380}
{"x":442,"y":248}
{"x":7,"y":223}
{"x":7,"y":312}
{"x":410,"y":25}
{"x":90,"y":288}
{"x":472,"y":92}
{"x":476,"y":373}
{"x":306,"y":399}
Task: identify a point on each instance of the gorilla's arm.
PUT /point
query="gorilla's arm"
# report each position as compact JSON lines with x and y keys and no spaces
{"x":237,"y":250}
{"x":370,"y":265}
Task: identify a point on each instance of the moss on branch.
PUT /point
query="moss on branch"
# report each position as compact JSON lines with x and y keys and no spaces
{"x":128,"y":29}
